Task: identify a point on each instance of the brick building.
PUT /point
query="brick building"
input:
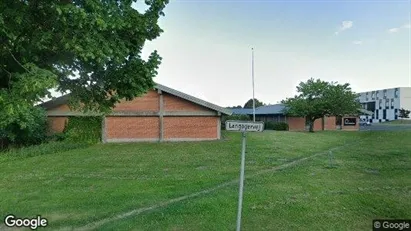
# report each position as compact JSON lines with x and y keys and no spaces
{"x":162,"y":114}
{"x":275,"y":113}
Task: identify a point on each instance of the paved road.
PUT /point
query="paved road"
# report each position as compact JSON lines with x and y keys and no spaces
{"x":380,"y":127}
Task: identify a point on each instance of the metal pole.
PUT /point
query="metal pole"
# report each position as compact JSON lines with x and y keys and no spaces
{"x":240,"y":193}
{"x":252,"y":71}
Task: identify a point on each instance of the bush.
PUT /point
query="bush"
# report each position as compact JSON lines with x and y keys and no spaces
{"x":41,"y":149}
{"x":25,"y":129}
{"x":83,"y":129}
{"x":233,"y":117}
{"x":278,"y":126}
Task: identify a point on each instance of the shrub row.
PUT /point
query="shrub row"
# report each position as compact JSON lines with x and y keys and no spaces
{"x":278,"y":126}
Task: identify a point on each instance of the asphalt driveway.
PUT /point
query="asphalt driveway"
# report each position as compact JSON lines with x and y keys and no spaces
{"x":386,"y":127}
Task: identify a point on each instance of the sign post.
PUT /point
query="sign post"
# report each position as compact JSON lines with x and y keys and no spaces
{"x":242,"y":126}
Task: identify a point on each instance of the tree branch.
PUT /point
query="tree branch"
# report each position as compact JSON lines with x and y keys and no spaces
{"x":9,"y":77}
{"x":18,"y":61}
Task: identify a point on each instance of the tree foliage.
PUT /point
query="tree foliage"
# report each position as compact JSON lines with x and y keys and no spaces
{"x":249,"y":103}
{"x":91,"y":48}
{"x":316,"y":99}
{"x":235,"y":107}
{"x":403,"y":113}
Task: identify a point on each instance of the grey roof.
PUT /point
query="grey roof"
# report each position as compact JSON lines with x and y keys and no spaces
{"x":263,"y":110}
{"x":242,"y":111}
{"x":64,"y":99}
{"x":270,"y":109}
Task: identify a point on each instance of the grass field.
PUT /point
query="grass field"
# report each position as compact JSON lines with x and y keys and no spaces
{"x":104,"y":186}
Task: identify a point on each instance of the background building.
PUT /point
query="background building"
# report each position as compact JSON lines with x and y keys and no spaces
{"x":385,"y":103}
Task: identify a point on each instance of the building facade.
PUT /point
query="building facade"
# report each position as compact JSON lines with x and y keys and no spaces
{"x":385,"y":103}
{"x":162,"y":114}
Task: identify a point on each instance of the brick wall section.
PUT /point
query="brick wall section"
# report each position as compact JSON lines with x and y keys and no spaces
{"x":132,"y":127}
{"x":63,"y":107}
{"x":147,"y":102}
{"x":329,"y":123}
{"x":190,"y":127}
{"x":173,"y":103}
{"x":350,"y":128}
{"x":318,"y":125}
{"x":296,"y":123}
{"x":56,"y":124}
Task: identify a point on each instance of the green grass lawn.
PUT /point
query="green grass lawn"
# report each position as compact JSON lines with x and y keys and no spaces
{"x":75,"y":188}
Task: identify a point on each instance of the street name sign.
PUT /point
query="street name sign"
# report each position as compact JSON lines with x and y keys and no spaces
{"x":244,"y":127}
{"x":234,"y":125}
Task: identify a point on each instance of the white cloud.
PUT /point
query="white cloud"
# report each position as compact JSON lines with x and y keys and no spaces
{"x":345,"y":25}
{"x":397,"y":29}
{"x":393,"y":30}
{"x":357,"y":42}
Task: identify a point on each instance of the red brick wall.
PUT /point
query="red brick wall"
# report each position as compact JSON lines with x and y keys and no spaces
{"x":147,"y":102}
{"x":296,"y":123}
{"x":190,"y":127}
{"x":173,"y":103}
{"x":132,"y":127}
{"x":63,"y":107}
{"x":318,"y":125}
{"x":329,"y":123}
{"x":56,"y":124}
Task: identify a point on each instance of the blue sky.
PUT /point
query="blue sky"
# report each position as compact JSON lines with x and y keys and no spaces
{"x":206,"y":46}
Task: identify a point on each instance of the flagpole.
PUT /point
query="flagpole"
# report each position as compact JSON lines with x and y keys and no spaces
{"x":252,"y":71}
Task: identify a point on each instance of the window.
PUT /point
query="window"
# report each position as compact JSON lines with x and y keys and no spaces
{"x":387,"y":101}
{"x":392,"y":103}
{"x":380,"y":103}
{"x":396,"y":93}
{"x":385,"y":93}
{"x":376,"y":114}
{"x":376,"y":94}
{"x":373,"y":95}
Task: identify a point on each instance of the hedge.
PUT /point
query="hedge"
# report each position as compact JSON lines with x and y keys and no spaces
{"x":278,"y":126}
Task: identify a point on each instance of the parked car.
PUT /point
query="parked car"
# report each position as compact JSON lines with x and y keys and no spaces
{"x":365,"y":123}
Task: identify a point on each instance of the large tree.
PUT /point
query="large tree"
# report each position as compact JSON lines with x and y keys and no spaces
{"x":249,"y":103}
{"x":91,"y":48}
{"x":316,"y":99}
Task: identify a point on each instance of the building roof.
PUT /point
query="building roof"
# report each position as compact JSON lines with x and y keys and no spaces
{"x":64,"y":99}
{"x":242,"y":111}
{"x":277,"y":109}
{"x":262,"y":110}
{"x":270,"y":109}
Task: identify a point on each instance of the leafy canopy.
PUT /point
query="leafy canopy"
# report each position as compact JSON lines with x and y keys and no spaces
{"x":317,"y":98}
{"x":249,"y":103}
{"x":91,"y":48}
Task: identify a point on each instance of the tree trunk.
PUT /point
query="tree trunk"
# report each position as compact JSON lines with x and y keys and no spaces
{"x":311,"y":126}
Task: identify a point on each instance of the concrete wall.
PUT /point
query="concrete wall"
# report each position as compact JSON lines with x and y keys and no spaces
{"x":405,"y":98}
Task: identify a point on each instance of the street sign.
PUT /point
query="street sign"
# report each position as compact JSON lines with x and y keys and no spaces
{"x":249,"y":126}
{"x":244,"y":127}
